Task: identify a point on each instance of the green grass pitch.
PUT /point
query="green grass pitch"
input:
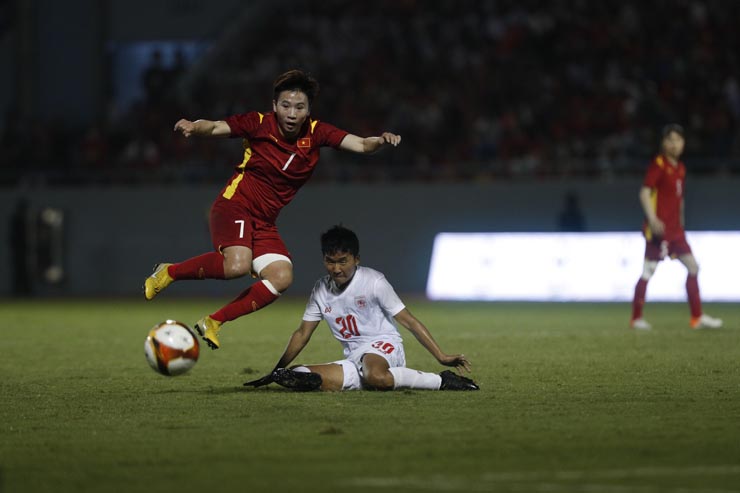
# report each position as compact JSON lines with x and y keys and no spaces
{"x":571,"y":401}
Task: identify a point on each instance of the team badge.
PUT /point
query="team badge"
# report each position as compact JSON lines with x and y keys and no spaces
{"x":304,"y":143}
{"x":360,"y":302}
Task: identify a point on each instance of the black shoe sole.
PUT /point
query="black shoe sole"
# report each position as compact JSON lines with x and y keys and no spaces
{"x":209,"y":343}
{"x":453,"y":381}
{"x":302,"y":382}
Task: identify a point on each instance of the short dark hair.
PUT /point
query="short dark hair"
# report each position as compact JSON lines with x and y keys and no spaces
{"x":671,"y":127}
{"x":339,"y":240}
{"x":296,"y":80}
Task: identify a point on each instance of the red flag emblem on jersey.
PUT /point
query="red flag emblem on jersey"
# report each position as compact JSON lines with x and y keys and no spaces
{"x":304,"y":143}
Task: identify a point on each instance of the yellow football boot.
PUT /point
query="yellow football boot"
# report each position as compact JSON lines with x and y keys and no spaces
{"x":208,"y":329}
{"x":157,"y":282}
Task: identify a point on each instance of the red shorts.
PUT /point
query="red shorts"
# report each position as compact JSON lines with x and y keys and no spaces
{"x":231,"y":225}
{"x":659,"y":249}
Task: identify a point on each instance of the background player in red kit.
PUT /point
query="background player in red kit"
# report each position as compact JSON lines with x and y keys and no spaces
{"x":281,"y":149}
{"x":662,"y":200}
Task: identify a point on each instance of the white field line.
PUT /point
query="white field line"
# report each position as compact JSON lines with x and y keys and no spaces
{"x":557,"y":481}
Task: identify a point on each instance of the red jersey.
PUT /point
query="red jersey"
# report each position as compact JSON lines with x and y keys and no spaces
{"x":667,"y":184}
{"x":273,"y":169}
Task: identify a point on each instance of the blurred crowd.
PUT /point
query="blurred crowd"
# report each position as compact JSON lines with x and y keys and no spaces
{"x":479,"y":90}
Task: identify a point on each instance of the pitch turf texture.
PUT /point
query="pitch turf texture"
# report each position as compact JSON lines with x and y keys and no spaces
{"x":570,"y":400}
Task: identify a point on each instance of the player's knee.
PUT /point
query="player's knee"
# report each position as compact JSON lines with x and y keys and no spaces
{"x":379,"y":380}
{"x":691,"y":264}
{"x":236,"y":267}
{"x":237,"y":261}
{"x":648,"y":269}
{"x":281,"y":278}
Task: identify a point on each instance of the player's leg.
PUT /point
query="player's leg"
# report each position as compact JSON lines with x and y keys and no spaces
{"x":231,"y":234}
{"x":298,"y":378}
{"x":377,"y":374}
{"x":274,"y":279}
{"x":337,"y":376}
{"x":206,"y":266}
{"x":638,"y":301}
{"x":383,"y":367}
{"x":653,"y":253}
{"x":275,"y":270}
{"x":692,"y":284}
{"x":272,"y":264}
{"x":278,"y":272}
{"x":325,"y":377}
{"x":699,"y":320}
{"x":211,"y":265}
{"x":237,"y":262}
{"x":332,"y":375}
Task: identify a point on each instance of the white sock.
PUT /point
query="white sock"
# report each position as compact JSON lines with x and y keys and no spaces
{"x":407,"y":378}
{"x":301,"y":369}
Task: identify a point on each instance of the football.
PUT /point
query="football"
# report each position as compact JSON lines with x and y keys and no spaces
{"x":171,"y":348}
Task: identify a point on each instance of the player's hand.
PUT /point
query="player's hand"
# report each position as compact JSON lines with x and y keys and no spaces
{"x":260,"y":382}
{"x":185,"y":127}
{"x":459,"y":361}
{"x":389,"y":138}
{"x":657,"y":226}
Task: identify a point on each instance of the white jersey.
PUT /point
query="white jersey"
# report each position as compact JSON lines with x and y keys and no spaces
{"x":362,"y":313}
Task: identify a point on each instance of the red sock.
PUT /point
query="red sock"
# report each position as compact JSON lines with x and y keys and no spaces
{"x":692,"y":289}
{"x":207,"y":266}
{"x":254,"y":298}
{"x":639,"y":300}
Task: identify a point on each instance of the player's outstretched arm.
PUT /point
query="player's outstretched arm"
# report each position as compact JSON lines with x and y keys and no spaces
{"x":203,"y":128}
{"x":297,"y":342}
{"x":422,"y":334}
{"x":369,"y":145}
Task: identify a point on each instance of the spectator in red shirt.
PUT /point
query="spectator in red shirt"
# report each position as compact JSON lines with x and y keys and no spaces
{"x":662,"y":200}
{"x":281,"y":150}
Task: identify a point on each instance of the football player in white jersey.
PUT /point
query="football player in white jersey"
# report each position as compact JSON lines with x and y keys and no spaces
{"x":360,"y":306}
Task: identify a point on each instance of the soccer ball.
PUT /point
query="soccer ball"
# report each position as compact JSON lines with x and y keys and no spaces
{"x":171,"y":348}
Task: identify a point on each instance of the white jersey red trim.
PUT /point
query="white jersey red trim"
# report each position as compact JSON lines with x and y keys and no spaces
{"x":361,"y":313}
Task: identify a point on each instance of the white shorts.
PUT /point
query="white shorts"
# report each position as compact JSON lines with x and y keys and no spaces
{"x":391,"y":351}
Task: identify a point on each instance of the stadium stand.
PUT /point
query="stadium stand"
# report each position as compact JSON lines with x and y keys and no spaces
{"x":479,"y":91}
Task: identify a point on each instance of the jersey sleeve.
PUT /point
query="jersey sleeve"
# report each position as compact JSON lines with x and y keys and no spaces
{"x":244,"y":125}
{"x":652,"y":175}
{"x":387,"y":297}
{"x":329,"y":135}
{"x":313,"y":309}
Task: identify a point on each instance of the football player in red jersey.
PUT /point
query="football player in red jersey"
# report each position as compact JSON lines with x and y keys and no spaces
{"x":662,"y":200}
{"x":281,"y":149}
